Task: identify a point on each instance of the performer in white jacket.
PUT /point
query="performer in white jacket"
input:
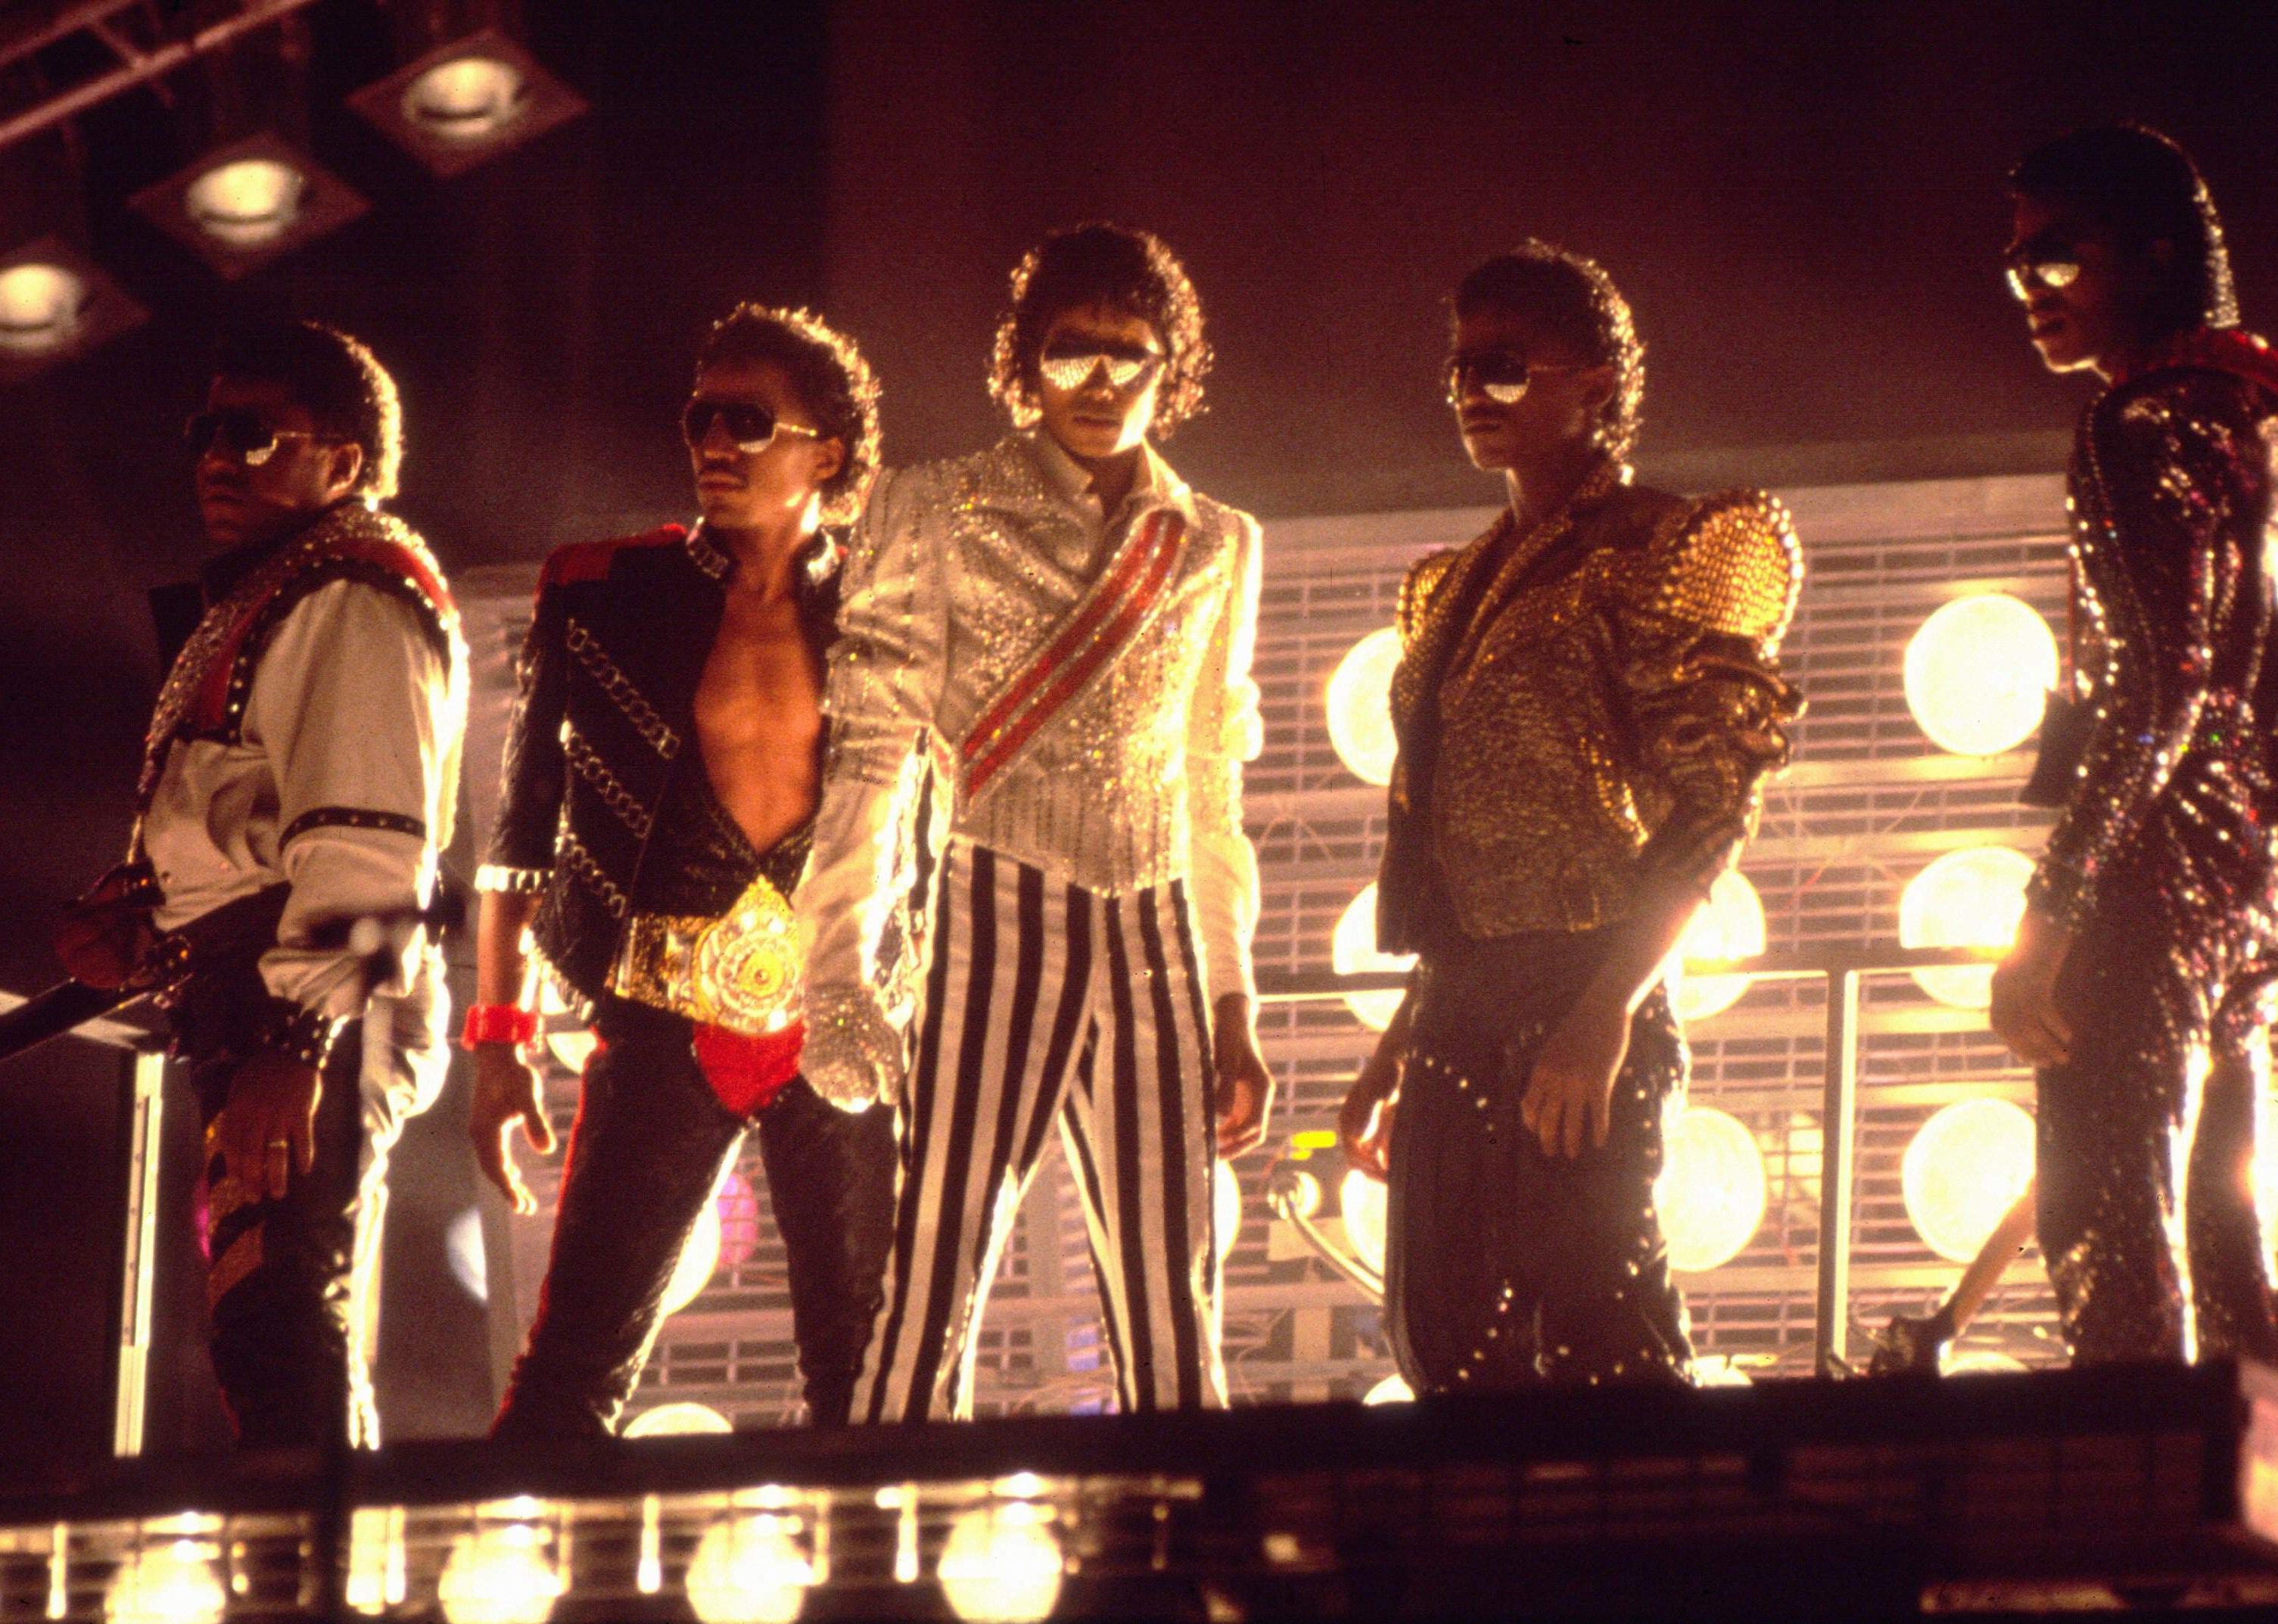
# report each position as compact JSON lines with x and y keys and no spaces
{"x":1060,"y":630}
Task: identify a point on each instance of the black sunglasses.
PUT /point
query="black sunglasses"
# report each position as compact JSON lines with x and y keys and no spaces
{"x":753,"y":428}
{"x":1502,"y":375}
{"x":244,"y":432}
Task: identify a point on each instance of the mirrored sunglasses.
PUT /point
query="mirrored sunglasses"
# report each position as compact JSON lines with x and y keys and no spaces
{"x":753,"y":428}
{"x":1071,"y":366}
{"x":2052,"y":268}
{"x":244,"y":432}
{"x":1502,"y":375}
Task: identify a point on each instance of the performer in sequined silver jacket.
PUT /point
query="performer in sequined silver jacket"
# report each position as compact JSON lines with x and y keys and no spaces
{"x":2141,"y":983}
{"x":1059,"y":631}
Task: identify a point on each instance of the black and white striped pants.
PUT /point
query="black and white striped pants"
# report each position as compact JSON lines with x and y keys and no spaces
{"x":1045,"y":1000}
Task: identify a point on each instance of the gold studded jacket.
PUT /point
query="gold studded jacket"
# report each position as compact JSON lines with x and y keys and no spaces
{"x":1583,"y":708}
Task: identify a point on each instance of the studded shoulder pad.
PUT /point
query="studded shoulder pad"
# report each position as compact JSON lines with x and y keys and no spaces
{"x":1730,"y":563}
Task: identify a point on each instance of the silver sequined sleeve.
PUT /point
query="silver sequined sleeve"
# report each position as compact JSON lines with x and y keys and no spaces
{"x":2166,"y":473}
{"x":1225,"y":730}
{"x":883,"y":684}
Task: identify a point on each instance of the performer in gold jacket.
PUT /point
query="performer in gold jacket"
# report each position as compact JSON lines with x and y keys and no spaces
{"x":1587,"y":704}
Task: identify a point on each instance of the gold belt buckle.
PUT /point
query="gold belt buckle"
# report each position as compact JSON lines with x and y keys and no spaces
{"x":740,"y":971}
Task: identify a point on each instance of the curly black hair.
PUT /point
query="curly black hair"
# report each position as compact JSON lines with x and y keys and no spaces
{"x":830,"y":377}
{"x":336,"y":380}
{"x":1123,"y":268}
{"x":2143,"y":188}
{"x":1571,"y":295}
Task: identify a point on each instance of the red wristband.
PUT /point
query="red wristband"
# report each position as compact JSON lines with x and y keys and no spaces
{"x":498,"y":1022}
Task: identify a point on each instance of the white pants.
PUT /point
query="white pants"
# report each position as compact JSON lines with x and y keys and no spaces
{"x":1044,"y":1000}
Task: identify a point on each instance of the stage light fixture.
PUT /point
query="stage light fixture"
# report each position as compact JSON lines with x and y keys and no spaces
{"x":1978,"y":672}
{"x":1969,"y":899}
{"x":750,"y":1569}
{"x":467,"y":102}
{"x":1711,"y":1189}
{"x":1963,"y":1171}
{"x":1359,"y":703}
{"x":682,"y":1418}
{"x":1353,"y":951}
{"x":499,"y":1574}
{"x":241,"y":206}
{"x":1731,"y":927}
{"x":1225,"y":1208}
{"x":1393,"y":1389}
{"x":172,"y":1581}
{"x":1361,"y":1200}
{"x":1001,"y":1564}
{"x":375,"y":1580}
{"x":56,"y":303}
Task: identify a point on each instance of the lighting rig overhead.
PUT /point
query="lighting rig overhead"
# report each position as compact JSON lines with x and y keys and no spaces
{"x":467,"y":102}
{"x":57,"y":303}
{"x":241,"y":206}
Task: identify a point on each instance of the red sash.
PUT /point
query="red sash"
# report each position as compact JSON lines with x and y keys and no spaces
{"x":1104,"y":624}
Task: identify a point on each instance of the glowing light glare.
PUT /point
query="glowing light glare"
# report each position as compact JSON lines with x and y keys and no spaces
{"x":1963,"y":1171}
{"x":699,"y":1259}
{"x":572,"y":1049}
{"x":1001,"y":1564}
{"x":1711,"y":1189}
{"x":1731,"y":927}
{"x":1971,"y":898}
{"x":1226,"y":1208}
{"x":1719,"y":1370}
{"x":499,"y":1575}
{"x":468,"y":98}
{"x":1393,"y":1389}
{"x":247,"y":202}
{"x":679,"y":1419}
{"x":749,"y":1570}
{"x":1359,"y":703}
{"x":1978,"y":672}
{"x":1353,"y":951}
{"x":40,"y":306}
{"x":376,"y":1575}
{"x":175,"y":1582}
{"x":1982,"y":1363}
{"x":1362,"y":1200}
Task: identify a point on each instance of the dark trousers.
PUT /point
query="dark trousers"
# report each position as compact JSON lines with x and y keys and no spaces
{"x":1507,"y":1267}
{"x":649,"y":1146}
{"x":2147,"y":1135}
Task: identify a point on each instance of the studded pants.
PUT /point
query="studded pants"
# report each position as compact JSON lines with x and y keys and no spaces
{"x":2147,"y":1135}
{"x":1507,"y":1267}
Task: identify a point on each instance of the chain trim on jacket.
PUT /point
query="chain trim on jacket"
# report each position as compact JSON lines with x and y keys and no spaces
{"x":583,"y":863}
{"x":589,"y":765}
{"x":621,"y":691}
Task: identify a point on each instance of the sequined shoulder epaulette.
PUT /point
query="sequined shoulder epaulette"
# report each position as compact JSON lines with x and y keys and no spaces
{"x":207,"y":690}
{"x":590,"y":560}
{"x":1729,"y":562}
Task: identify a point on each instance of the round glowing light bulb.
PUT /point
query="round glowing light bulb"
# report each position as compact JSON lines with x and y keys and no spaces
{"x":1001,"y":1564}
{"x":1362,"y":1201}
{"x":247,"y":202}
{"x":467,"y":98}
{"x":499,"y":1575}
{"x":1353,"y":951}
{"x":1978,"y":672}
{"x":1393,"y":1389}
{"x":682,"y":1418}
{"x":39,"y":306}
{"x":1359,"y":703}
{"x":1963,"y":1171}
{"x":171,"y":1583}
{"x":698,"y":1261}
{"x":1711,"y":1189}
{"x":1731,"y":927}
{"x":749,"y":1570}
{"x":1226,"y":1208}
{"x":1971,"y":898}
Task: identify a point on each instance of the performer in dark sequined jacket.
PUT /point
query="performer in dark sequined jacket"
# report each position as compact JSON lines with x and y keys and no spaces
{"x":2141,"y":983}
{"x":1587,"y":703}
{"x":661,"y":777}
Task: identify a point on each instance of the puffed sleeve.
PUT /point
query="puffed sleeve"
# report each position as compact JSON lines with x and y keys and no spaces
{"x":360,"y":714}
{"x":521,"y":852}
{"x":883,"y":684}
{"x":1224,"y":730}
{"x":1697,"y":642}
{"x":2170,"y":461}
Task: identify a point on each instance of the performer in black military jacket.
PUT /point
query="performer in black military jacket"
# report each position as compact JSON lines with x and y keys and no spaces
{"x":2141,"y":982}
{"x":661,"y":783}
